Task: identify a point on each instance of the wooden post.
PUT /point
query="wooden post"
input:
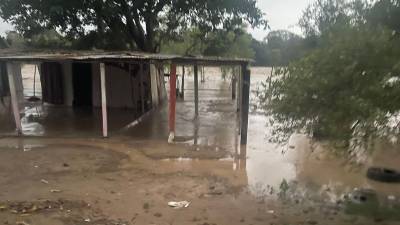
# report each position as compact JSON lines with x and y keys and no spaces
{"x":141,"y":73}
{"x":14,"y":97}
{"x":245,"y":103}
{"x":172,"y":103}
{"x":103,"y":98}
{"x":239,"y":98}
{"x":203,"y":76}
{"x":183,"y":82}
{"x":239,"y":89}
{"x":234,"y":80}
{"x":196,"y":91}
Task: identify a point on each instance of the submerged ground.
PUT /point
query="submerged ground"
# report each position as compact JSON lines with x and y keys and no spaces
{"x":65,"y":174}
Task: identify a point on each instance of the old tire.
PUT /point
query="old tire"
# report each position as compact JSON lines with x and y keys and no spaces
{"x":383,"y":175}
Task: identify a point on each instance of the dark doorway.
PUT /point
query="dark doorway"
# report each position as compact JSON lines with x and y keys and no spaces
{"x":4,"y":88}
{"x":51,"y":78}
{"x":82,"y":82}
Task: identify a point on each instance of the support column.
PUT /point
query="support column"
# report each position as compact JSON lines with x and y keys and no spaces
{"x":234,"y":80}
{"x":141,"y":74}
{"x":196,"y":91}
{"x":14,"y":97}
{"x":183,"y":82}
{"x":172,"y":103}
{"x":239,"y":98}
{"x":203,"y":76}
{"x":103,"y":98}
{"x":239,"y":89}
{"x":245,"y":103}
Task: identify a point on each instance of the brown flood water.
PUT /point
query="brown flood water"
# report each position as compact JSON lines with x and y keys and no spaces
{"x":130,"y":177}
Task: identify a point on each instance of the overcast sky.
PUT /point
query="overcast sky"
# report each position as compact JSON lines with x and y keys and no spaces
{"x":281,"y":14}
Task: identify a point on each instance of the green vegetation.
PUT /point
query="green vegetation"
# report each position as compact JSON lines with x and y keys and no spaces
{"x":3,"y":43}
{"x":220,"y":43}
{"x":347,"y":85}
{"x":128,"y":24}
{"x":193,"y":27}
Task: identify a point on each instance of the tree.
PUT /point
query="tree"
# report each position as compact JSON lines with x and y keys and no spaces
{"x":324,"y":15}
{"x":386,"y":13}
{"x":218,"y":43}
{"x":229,"y":44}
{"x":279,"y":48}
{"x":190,"y":42}
{"x":348,"y":86}
{"x":137,"y":24}
{"x":260,"y":49}
{"x":3,"y":43}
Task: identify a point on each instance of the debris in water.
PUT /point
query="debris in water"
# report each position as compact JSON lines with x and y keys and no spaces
{"x":177,"y":205}
{"x":22,"y":223}
{"x":391,"y":197}
{"x":271,"y":211}
{"x":87,"y":220}
{"x":44,"y":181}
{"x":386,"y":175}
{"x":55,"y":191}
{"x":171,"y":138}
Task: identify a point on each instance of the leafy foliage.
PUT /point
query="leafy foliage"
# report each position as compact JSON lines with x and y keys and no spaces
{"x":219,"y":43}
{"x":137,"y":24}
{"x":348,"y":86}
{"x":3,"y":43}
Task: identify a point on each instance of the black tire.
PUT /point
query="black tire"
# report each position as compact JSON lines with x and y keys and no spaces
{"x":383,"y":175}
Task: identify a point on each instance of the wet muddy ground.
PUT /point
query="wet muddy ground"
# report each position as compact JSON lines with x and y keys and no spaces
{"x":63,"y":173}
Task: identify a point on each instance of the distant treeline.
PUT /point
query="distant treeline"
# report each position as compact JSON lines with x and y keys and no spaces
{"x":277,"y":49}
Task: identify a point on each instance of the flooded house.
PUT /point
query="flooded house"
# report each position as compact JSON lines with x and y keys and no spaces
{"x":88,"y":89}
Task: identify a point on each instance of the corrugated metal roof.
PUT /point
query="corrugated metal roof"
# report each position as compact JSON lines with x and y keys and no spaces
{"x":52,"y":55}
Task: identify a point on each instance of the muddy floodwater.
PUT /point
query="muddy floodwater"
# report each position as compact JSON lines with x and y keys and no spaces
{"x":62,"y":172}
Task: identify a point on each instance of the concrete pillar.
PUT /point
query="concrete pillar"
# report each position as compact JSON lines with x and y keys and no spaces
{"x":103,"y":99}
{"x":11,"y":70}
{"x":245,"y":103}
{"x":172,"y":103}
{"x":196,"y":91}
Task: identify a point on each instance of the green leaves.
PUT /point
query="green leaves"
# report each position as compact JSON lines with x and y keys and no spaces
{"x":348,"y":86}
{"x":141,"y":24}
{"x":342,"y":82}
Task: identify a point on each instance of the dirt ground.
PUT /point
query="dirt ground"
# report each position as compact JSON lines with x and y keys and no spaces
{"x":131,"y":177}
{"x":59,"y":181}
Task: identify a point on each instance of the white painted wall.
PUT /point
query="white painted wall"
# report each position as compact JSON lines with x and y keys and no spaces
{"x":19,"y":88}
{"x":5,"y":102}
{"x":154,"y":86}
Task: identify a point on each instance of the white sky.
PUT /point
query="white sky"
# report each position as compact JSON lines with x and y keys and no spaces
{"x":281,"y":14}
{"x":4,"y":27}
